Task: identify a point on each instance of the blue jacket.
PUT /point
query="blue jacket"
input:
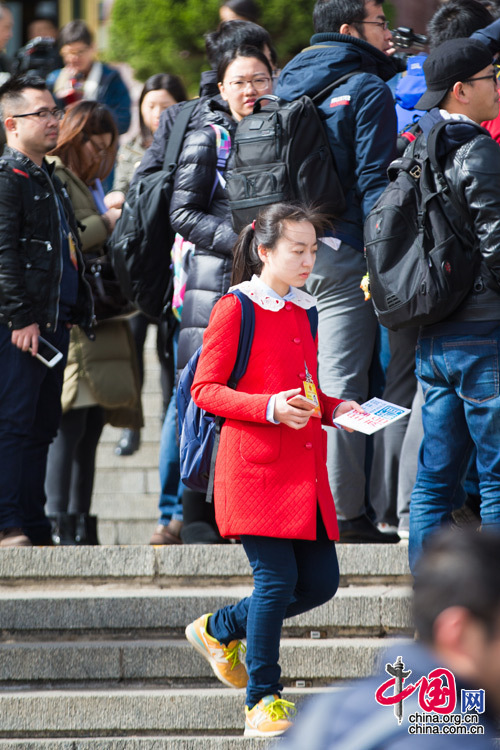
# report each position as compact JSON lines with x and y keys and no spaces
{"x":111,"y":91}
{"x":359,"y":118}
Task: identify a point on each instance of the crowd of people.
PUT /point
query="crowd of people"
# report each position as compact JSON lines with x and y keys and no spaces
{"x":286,"y":484}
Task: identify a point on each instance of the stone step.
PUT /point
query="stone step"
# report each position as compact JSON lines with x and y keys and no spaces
{"x":181,"y":564}
{"x":118,"y":713}
{"x":175,"y":663}
{"x":373,"y":610}
{"x":128,"y":531}
{"x":138,"y":743}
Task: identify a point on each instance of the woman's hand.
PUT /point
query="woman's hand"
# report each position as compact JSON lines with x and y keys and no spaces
{"x":111,"y":217}
{"x":114,"y":199}
{"x":346,"y":406}
{"x":292,"y":416}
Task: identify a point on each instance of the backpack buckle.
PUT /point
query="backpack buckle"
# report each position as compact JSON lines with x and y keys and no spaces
{"x":415,"y":172}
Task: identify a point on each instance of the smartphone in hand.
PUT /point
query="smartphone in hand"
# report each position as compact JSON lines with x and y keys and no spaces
{"x":47,"y":353}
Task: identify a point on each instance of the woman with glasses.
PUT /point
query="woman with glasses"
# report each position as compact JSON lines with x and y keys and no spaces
{"x":101,"y":382}
{"x":199,"y":212}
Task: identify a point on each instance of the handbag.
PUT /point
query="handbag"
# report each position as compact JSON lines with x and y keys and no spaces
{"x":109,"y":300}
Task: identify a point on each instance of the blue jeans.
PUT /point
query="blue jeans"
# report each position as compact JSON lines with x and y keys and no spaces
{"x":461,"y":383}
{"x":170,"y":504}
{"x":290,"y":576}
{"x":30,"y":411}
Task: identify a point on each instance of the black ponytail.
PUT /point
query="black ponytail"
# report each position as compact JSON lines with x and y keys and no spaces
{"x":266,"y":230}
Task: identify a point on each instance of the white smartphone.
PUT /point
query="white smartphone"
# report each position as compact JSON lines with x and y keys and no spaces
{"x":47,"y":353}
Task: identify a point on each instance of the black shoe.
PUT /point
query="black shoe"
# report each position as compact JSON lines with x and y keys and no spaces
{"x":85,"y":529}
{"x":361,"y":530}
{"x":201,"y":532}
{"x":63,"y":529}
{"x":128,"y":443}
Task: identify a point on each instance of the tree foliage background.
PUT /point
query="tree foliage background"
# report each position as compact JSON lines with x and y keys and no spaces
{"x":156,"y":36}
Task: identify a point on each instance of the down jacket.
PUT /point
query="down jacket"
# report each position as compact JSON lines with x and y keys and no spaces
{"x":30,"y":247}
{"x":204,"y":222}
{"x":269,"y":478}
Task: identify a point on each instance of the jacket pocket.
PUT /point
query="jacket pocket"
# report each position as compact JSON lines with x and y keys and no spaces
{"x":260,"y":444}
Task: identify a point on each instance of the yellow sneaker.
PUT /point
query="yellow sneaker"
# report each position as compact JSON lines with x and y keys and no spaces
{"x":224,"y":660}
{"x":269,"y":717}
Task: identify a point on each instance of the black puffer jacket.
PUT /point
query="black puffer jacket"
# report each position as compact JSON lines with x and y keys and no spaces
{"x":204,"y":222}
{"x":471,"y":161}
{"x":30,"y":247}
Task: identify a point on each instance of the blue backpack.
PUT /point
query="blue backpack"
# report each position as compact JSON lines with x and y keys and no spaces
{"x":199,"y":430}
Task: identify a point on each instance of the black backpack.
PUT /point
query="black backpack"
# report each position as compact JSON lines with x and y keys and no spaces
{"x":420,"y":250}
{"x":281,"y":153}
{"x":142,"y":238}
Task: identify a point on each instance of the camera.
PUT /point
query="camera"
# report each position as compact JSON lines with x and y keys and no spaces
{"x":404,"y":37}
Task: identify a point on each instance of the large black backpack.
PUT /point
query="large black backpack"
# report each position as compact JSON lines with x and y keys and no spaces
{"x":142,"y":238}
{"x":421,"y":254}
{"x":281,"y":153}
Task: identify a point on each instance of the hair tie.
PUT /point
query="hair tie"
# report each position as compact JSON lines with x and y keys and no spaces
{"x":253,"y":225}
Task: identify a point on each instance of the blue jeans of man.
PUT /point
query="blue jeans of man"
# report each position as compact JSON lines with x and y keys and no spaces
{"x":170,"y":504}
{"x":461,"y":383}
{"x":30,"y":411}
{"x":347,"y":336}
{"x":290,"y":576}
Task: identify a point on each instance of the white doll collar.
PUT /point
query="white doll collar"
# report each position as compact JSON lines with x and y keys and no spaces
{"x":268,"y":299}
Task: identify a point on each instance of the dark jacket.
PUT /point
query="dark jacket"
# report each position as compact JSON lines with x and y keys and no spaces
{"x":30,"y":247}
{"x":154,"y":156}
{"x":351,"y":718}
{"x":111,"y":91}
{"x":359,"y":118}
{"x":471,"y":162}
{"x":205,"y":222}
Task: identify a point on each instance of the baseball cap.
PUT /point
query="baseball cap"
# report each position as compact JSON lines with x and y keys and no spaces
{"x":452,"y":61}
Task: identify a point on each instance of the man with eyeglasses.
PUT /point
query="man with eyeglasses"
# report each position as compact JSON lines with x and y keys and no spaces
{"x":457,"y":360}
{"x":351,"y":37}
{"x":42,"y":291}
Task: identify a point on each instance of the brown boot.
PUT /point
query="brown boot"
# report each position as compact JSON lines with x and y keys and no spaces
{"x":170,"y":534}
{"x":14,"y":537}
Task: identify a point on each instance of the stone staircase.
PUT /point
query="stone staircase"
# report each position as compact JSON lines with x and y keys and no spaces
{"x":94,"y":655}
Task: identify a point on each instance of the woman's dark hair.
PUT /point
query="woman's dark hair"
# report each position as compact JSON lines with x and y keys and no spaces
{"x":75,"y":31}
{"x":82,"y":120}
{"x":247,"y":9}
{"x":159,"y":81}
{"x":266,"y":230}
{"x":245,"y":51}
{"x":231,"y":34}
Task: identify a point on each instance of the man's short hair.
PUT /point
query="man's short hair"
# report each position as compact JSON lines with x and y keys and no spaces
{"x":329,"y":15}
{"x":75,"y":31}
{"x":233,"y":34}
{"x":11,"y":93}
{"x":457,"y":18}
{"x":458,"y":569}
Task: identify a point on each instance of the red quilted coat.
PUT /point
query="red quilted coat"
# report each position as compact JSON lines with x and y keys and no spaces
{"x":269,"y":478}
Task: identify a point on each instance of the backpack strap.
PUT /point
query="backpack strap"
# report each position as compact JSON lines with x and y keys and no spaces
{"x":223,"y":148}
{"x":247,"y":329}
{"x":321,"y":95}
{"x":312,"y":314}
{"x":176,"y":138}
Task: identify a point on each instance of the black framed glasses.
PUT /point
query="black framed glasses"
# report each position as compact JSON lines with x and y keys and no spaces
{"x":491,"y":77}
{"x":382,"y":24}
{"x":45,"y":114}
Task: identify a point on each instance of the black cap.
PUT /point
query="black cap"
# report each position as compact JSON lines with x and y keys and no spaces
{"x":450,"y":62}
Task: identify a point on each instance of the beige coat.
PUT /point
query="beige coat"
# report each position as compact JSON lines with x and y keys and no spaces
{"x":103,"y":371}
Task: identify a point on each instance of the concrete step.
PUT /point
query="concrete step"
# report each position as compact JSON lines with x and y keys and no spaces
{"x":180,"y":565}
{"x":138,"y":743}
{"x":118,"y":713}
{"x":172,"y":663}
{"x":111,"y":609}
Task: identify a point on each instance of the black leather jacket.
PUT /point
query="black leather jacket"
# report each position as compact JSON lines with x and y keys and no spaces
{"x":30,"y":247}
{"x":206,"y":223}
{"x":471,"y":160}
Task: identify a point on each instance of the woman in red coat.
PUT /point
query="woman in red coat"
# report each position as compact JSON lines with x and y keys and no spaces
{"x":271,"y":486}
